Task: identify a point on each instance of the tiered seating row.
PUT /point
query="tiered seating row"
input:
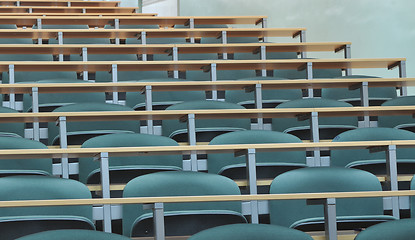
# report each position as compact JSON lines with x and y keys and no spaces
{"x":64,"y":3}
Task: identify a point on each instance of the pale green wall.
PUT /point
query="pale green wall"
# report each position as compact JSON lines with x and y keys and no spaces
{"x":376,"y":28}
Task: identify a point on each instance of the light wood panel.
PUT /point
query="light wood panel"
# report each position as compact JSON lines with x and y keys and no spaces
{"x":57,"y":3}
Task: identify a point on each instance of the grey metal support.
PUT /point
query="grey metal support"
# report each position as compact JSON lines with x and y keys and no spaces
{"x":214,"y":78}
{"x":303,"y":39}
{"x":392,"y":177}
{"x":264,"y":57}
{"x":364,"y":97}
{"x":30,"y":10}
{"x":60,"y":38}
{"x":347,"y":55}
{"x":69,"y":4}
{"x":330,"y":223}
{"x":309,"y":72}
{"x":252,"y":183}
{"x":114,"y":71}
{"x":105,"y":183}
{"x":191,"y":134}
{"x":264,"y":25}
{"x":18,"y":3}
{"x":12,"y":96}
{"x":83,"y":10}
{"x":149,"y":107}
{"x":85,"y":54}
{"x":315,"y":137}
{"x":175,"y":56}
{"x":158,"y":221}
{"x":35,"y":109}
{"x":224,"y":41}
{"x":402,"y":74}
{"x":144,"y":42}
{"x":258,"y":104}
{"x":192,"y":25}
{"x":64,"y":144}
{"x":39,"y":26}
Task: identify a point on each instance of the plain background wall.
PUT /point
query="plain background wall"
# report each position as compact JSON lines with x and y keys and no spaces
{"x":376,"y":28}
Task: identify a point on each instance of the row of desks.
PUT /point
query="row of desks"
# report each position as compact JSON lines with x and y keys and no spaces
{"x":58,"y":3}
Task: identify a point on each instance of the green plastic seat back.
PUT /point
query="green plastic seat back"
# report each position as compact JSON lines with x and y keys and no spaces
{"x":342,"y":158}
{"x":344,"y":94}
{"x":136,"y":100}
{"x":87,"y":165}
{"x":275,"y":96}
{"x":216,"y":162}
{"x":179,"y":183}
{"x":169,"y":127}
{"x":393,"y":230}
{"x":97,"y":126}
{"x":74,"y":234}
{"x":250,"y":232}
{"x":37,"y":166}
{"x":15,"y":128}
{"x":53,"y":100}
{"x":130,"y":75}
{"x":283,"y":124}
{"x":323,"y":179}
{"x":43,"y":188}
{"x":394,"y":121}
{"x":317,"y":73}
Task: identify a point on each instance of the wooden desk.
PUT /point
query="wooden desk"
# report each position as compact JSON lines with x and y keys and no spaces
{"x":65,"y":9}
{"x":60,"y":3}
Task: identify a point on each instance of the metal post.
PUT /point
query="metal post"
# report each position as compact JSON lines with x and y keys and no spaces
{"x":83,"y":10}
{"x":348,"y":54}
{"x":64,"y":144}
{"x":149,"y":107}
{"x":258,"y":104}
{"x":392,"y":177}
{"x":39,"y":26}
{"x":117,"y":23}
{"x":158,"y":221}
{"x":191,"y":134}
{"x":192,"y":25}
{"x":85,"y":54}
{"x":30,"y":10}
{"x":35,"y":109}
{"x":264,"y":25}
{"x":364,"y":98}
{"x":303,"y":39}
{"x":402,"y":74}
{"x":213,"y":78}
{"x":330,"y":223}
{"x":252,"y":178}
{"x":264,"y":57}
{"x":105,"y":183}
{"x":309,"y":72}
{"x":69,"y":4}
{"x":12,"y":96}
{"x":114,"y":72}
{"x":144,"y":42}
{"x":18,"y":3}
{"x":224,"y":41}
{"x":315,"y":137}
{"x":175,"y":56}
{"x":60,"y":38}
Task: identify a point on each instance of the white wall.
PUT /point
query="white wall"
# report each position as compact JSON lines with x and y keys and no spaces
{"x":162,"y":7}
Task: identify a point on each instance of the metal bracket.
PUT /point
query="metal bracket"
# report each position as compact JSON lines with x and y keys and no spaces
{"x":35,"y":109}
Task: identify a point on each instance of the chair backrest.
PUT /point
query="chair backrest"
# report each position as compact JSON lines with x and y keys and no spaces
{"x":171,"y":128}
{"x":16,"y":129}
{"x":50,"y":101}
{"x":87,"y":166}
{"x":393,"y":230}
{"x":376,"y":94}
{"x":323,"y":179}
{"x":397,"y":121}
{"x":293,"y":124}
{"x":317,"y":73}
{"x":269,"y":97}
{"x":180,"y":183}
{"x":42,"y":166}
{"x":73,"y":234}
{"x":43,"y":188}
{"x":251,"y":232}
{"x":161,"y":100}
{"x":345,"y":158}
{"x":76,"y":128}
{"x":219,"y":162}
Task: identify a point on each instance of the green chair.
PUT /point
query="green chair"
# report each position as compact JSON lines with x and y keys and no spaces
{"x":50,"y":101}
{"x":161,"y":100}
{"x":402,"y":122}
{"x":73,"y":234}
{"x":377,"y":95}
{"x":374,"y":162}
{"x":250,"y":232}
{"x":123,"y":169}
{"x":269,"y":164}
{"x":270,"y":98}
{"x":16,"y":222}
{"x":78,"y":132}
{"x":40,"y":166}
{"x":206,"y":129}
{"x":180,"y":219}
{"x":352,"y":213}
{"x":329,"y":126}
{"x":11,"y":129}
{"x":403,"y":229}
